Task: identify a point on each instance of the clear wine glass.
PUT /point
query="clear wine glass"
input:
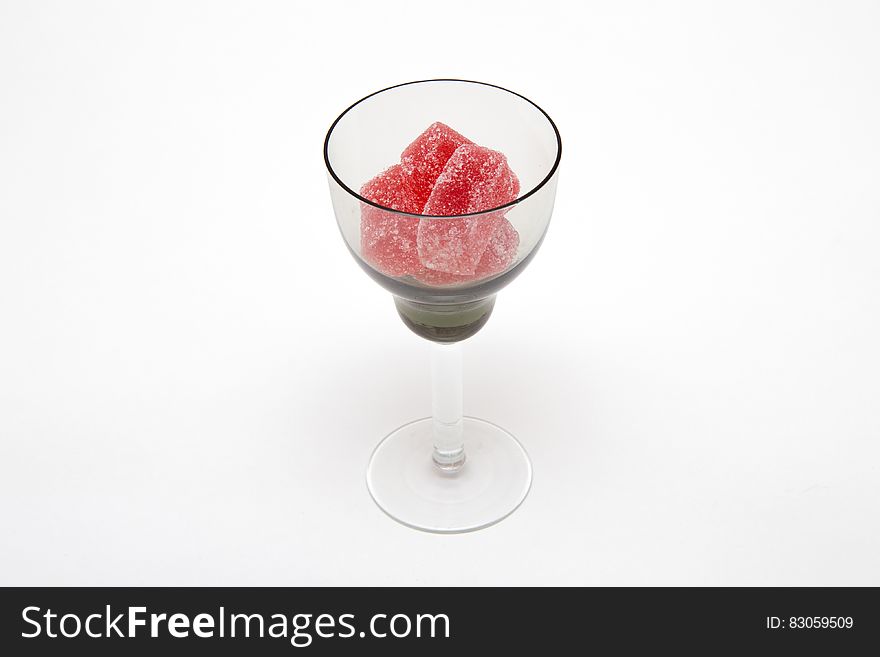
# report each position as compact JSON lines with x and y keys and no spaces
{"x":447,"y":473}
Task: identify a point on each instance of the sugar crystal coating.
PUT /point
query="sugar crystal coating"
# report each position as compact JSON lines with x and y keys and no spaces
{"x":423,"y":160}
{"x":388,"y":239}
{"x":499,"y":254}
{"x":474,"y":179}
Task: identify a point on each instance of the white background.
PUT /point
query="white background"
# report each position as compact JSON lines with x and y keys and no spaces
{"x":193,"y":370}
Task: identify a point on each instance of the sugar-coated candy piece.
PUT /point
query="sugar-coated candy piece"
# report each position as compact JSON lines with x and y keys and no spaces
{"x":391,"y":189}
{"x":455,"y":245}
{"x":423,"y":160}
{"x":388,"y":239}
{"x":499,"y":254}
{"x":474,"y":179}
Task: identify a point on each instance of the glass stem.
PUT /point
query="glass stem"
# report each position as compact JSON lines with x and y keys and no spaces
{"x":446,"y":406}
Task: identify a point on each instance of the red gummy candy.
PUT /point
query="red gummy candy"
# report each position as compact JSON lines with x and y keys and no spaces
{"x":499,"y":253}
{"x":474,"y":179}
{"x":441,"y":173}
{"x":388,"y":239}
{"x":423,"y":160}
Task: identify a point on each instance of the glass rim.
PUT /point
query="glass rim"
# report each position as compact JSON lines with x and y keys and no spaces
{"x":509,"y":204}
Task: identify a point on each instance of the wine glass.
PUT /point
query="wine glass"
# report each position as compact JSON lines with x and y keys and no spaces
{"x":446,"y":473}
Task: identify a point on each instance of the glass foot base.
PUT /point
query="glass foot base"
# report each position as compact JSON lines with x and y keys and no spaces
{"x":405,"y":483}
